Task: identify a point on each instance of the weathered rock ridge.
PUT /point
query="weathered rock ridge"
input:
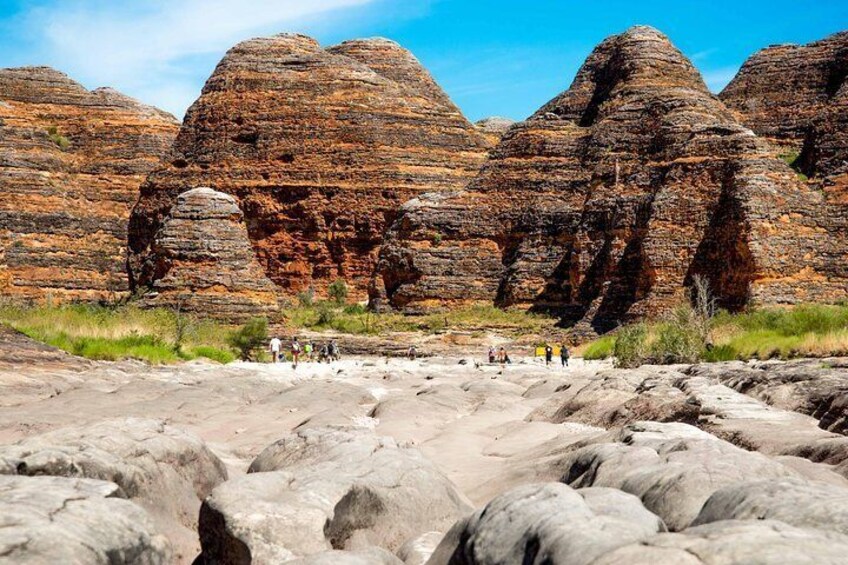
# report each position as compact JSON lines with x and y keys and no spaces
{"x":797,"y":97}
{"x":320,"y":147}
{"x":204,"y":263}
{"x":71,"y":162}
{"x":605,"y":203}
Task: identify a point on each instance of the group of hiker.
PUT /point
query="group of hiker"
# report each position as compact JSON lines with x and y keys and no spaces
{"x":563,"y":355}
{"x":328,"y":352}
{"x":501,"y":356}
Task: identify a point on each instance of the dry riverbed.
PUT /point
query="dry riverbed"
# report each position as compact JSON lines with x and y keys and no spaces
{"x":369,"y":460}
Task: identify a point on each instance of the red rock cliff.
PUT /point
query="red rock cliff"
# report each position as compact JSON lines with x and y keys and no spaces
{"x":320,"y":147}
{"x":71,"y":162}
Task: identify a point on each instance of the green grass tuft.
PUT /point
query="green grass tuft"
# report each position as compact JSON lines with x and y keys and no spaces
{"x":601,"y":348}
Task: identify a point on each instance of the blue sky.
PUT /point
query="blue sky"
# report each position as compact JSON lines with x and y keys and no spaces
{"x":494,"y":57}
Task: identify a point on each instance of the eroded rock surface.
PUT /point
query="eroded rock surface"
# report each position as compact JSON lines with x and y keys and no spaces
{"x":323,"y":489}
{"x":782,"y":89}
{"x":547,"y":523}
{"x":608,"y":200}
{"x":61,"y":520}
{"x":204,"y":262}
{"x":166,"y":470}
{"x":320,"y":147}
{"x":797,"y":97}
{"x":71,"y":163}
{"x":672,"y":468}
{"x":377,"y":457}
{"x":768,"y":542}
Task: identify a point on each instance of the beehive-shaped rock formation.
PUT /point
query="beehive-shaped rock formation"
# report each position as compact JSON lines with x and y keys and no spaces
{"x":71,"y":162}
{"x":605,"y":203}
{"x":321,"y":147}
{"x":204,"y":263}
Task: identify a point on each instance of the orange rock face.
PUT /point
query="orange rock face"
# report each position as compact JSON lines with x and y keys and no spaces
{"x":71,"y":162}
{"x":606,"y":202}
{"x":320,"y":147}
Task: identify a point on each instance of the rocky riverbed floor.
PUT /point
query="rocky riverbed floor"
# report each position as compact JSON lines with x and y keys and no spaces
{"x":438,"y":460}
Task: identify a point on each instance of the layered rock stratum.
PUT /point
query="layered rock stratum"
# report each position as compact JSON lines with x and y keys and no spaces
{"x":605,"y":204}
{"x":71,"y":163}
{"x":204,"y":263}
{"x":320,"y":147}
{"x":783,"y":89}
{"x":797,"y":97}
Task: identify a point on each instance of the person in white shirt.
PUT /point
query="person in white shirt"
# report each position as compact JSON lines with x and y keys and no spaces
{"x":276,"y":345}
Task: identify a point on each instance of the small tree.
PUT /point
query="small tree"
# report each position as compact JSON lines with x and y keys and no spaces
{"x":337,"y":291}
{"x":249,"y":338}
{"x":183,"y":324}
{"x":704,"y":304}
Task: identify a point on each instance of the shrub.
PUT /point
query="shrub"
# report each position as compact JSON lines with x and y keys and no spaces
{"x":337,"y":291}
{"x":355,"y":309}
{"x":437,"y":239}
{"x":679,"y":340}
{"x":630,"y":346}
{"x":60,"y":140}
{"x":790,"y":158}
{"x":249,"y":338}
{"x":326,"y":314}
{"x":307,"y":297}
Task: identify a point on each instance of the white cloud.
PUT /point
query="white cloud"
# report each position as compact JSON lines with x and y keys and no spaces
{"x":160,"y":50}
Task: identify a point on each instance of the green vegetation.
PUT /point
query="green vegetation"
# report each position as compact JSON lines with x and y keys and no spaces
{"x":249,"y":339}
{"x":60,"y":140}
{"x":337,"y":291}
{"x":792,"y":158}
{"x":120,"y":332}
{"x":601,"y":348}
{"x":802,"y":331}
{"x":630,"y":346}
{"x":356,"y":319}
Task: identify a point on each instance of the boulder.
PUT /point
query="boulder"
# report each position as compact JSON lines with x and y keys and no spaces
{"x":164,"y":469}
{"x":766,"y":542}
{"x":71,"y":163}
{"x":204,"y":262}
{"x":672,"y":468}
{"x":326,"y":488}
{"x":547,"y":523}
{"x":605,"y":204}
{"x":61,"y":520}
{"x":810,"y":386}
{"x":796,"y":502}
{"x":320,"y":147}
